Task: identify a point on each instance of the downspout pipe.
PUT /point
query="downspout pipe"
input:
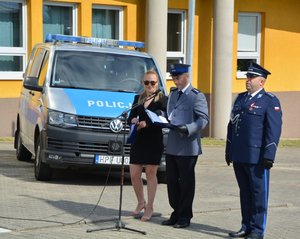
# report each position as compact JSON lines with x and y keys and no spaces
{"x":190,"y":36}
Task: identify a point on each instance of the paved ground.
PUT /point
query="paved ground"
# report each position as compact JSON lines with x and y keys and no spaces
{"x":75,"y":202}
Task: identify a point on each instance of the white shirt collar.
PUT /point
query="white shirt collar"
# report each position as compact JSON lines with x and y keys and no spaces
{"x":184,"y":89}
{"x":255,"y":93}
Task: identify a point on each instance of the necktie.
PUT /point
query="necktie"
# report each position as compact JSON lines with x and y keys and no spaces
{"x":248,"y":97}
{"x":179,"y":94}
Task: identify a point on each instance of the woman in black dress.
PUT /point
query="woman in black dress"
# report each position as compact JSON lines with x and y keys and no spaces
{"x":147,"y":148}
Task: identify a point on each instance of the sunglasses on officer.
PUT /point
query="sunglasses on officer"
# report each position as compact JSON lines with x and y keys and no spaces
{"x":146,"y":82}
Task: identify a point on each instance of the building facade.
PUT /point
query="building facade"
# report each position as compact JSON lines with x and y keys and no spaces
{"x":225,"y":36}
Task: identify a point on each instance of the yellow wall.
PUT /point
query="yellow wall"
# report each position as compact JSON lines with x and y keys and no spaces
{"x":179,"y":5}
{"x":204,"y":16}
{"x":201,"y":68}
{"x":10,"y":89}
{"x":280,"y":49}
{"x":281,"y":42}
{"x":134,"y":28}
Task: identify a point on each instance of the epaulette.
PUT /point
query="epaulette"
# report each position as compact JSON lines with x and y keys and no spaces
{"x":245,"y":92}
{"x":196,"y":91}
{"x":173,"y":88}
{"x":270,"y":94}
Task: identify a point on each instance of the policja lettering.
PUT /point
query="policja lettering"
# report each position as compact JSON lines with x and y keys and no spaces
{"x":107,"y":104}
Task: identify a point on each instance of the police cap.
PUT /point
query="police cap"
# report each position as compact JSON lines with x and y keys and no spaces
{"x":178,"y":69}
{"x":257,"y":70}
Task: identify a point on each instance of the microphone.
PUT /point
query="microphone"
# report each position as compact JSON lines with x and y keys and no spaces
{"x":152,"y":95}
{"x":156,"y":92}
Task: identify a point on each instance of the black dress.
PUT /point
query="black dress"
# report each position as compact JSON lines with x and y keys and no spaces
{"x":148,"y":146}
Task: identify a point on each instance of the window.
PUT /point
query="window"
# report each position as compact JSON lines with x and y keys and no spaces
{"x":34,"y":71}
{"x":12,"y":39}
{"x":249,"y":29}
{"x":38,"y":65}
{"x":74,"y":69}
{"x":59,"y":18}
{"x":107,"y":22}
{"x":43,"y":71}
{"x":176,"y":37}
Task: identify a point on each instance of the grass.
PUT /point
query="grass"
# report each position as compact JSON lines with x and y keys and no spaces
{"x":209,"y":142}
{"x":6,"y":139}
{"x":221,"y":142}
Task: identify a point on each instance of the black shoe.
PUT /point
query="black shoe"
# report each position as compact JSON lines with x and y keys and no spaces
{"x":241,"y":233}
{"x":169,"y":222}
{"x":181,"y":224}
{"x":254,"y":236}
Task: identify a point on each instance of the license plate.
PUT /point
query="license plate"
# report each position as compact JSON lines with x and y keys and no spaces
{"x":110,"y":159}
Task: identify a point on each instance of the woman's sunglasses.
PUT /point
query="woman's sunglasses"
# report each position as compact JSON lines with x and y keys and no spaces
{"x":153,"y":83}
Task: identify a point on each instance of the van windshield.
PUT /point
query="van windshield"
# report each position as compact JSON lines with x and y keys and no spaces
{"x":99,"y":71}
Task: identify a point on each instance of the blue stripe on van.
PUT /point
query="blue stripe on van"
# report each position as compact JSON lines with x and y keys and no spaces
{"x":99,"y":103}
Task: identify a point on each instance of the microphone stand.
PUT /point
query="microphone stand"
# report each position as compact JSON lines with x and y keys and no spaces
{"x":119,"y":224}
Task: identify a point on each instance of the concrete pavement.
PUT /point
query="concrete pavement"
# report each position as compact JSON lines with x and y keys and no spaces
{"x":74,"y":202}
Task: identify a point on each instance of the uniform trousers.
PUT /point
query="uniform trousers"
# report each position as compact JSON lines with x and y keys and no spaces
{"x":181,"y":185}
{"x":253,"y":182}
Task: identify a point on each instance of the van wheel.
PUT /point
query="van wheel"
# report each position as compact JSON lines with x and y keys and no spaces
{"x":22,"y":153}
{"x":42,"y":171}
{"x":161,"y":177}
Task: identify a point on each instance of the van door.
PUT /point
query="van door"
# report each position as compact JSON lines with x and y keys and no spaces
{"x":31,"y":102}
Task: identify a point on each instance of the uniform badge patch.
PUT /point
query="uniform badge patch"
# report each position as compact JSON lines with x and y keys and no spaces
{"x":253,"y":105}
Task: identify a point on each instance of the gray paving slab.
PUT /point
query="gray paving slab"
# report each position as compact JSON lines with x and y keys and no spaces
{"x":75,"y":201}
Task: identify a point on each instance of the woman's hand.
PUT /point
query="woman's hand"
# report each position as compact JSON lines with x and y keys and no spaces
{"x":135,"y":121}
{"x":141,"y":124}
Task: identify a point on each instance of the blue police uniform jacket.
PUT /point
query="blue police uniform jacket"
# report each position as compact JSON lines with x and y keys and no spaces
{"x":190,"y":110}
{"x":254,"y":129}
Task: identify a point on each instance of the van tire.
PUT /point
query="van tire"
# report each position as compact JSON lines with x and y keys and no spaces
{"x":22,"y":153}
{"x":42,"y":171}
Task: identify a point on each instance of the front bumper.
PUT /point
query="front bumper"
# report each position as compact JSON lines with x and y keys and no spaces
{"x":73,"y":147}
{"x":63,"y":148}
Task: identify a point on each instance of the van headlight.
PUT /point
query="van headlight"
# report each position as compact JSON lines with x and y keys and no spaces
{"x":61,"y":119}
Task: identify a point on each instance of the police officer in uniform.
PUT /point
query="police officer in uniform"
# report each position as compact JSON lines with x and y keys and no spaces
{"x":252,"y":138}
{"x":187,"y":110}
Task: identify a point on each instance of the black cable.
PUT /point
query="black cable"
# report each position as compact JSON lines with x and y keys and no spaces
{"x":71,"y":223}
{"x":96,"y":205}
{"x":80,"y":220}
{"x":101,"y":194}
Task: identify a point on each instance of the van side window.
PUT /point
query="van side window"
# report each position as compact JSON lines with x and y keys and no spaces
{"x":34,"y":71}
{"x":43,"y":72}
{"x":29,"y":65}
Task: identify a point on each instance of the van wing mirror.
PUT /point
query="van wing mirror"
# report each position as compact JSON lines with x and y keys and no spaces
{"x":31,"y":83}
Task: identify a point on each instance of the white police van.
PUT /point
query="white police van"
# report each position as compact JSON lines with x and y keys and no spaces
{"x":74,"y":96}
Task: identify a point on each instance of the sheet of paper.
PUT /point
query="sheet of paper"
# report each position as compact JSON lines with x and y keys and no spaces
{"x":159,"y":120}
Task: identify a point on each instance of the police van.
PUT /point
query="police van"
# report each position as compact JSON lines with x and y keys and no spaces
{"x":75,"y":97}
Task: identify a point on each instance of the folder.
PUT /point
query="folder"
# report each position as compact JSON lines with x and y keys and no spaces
{"x":132,"y":134}
{"x":159,"y":120}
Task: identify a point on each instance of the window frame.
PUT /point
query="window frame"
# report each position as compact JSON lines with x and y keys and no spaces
{"x":173,"y":55}
{"x":74,"y":13}
{"x":248,"y":54}
{"x":121,"y":16}
{"x":16,"y":51}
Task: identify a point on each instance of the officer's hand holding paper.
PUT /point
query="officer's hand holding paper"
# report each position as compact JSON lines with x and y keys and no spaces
{"x":158,"y":119}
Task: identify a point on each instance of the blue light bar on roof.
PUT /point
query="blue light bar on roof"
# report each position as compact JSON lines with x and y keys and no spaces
{"x":94,"y":41}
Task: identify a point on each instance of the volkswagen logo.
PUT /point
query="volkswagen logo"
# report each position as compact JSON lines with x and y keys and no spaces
{"x":116,"y":125}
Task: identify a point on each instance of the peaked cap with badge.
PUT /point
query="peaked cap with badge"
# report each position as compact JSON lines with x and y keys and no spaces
{"x":179,"y":69}
{"x":257,"y":70}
